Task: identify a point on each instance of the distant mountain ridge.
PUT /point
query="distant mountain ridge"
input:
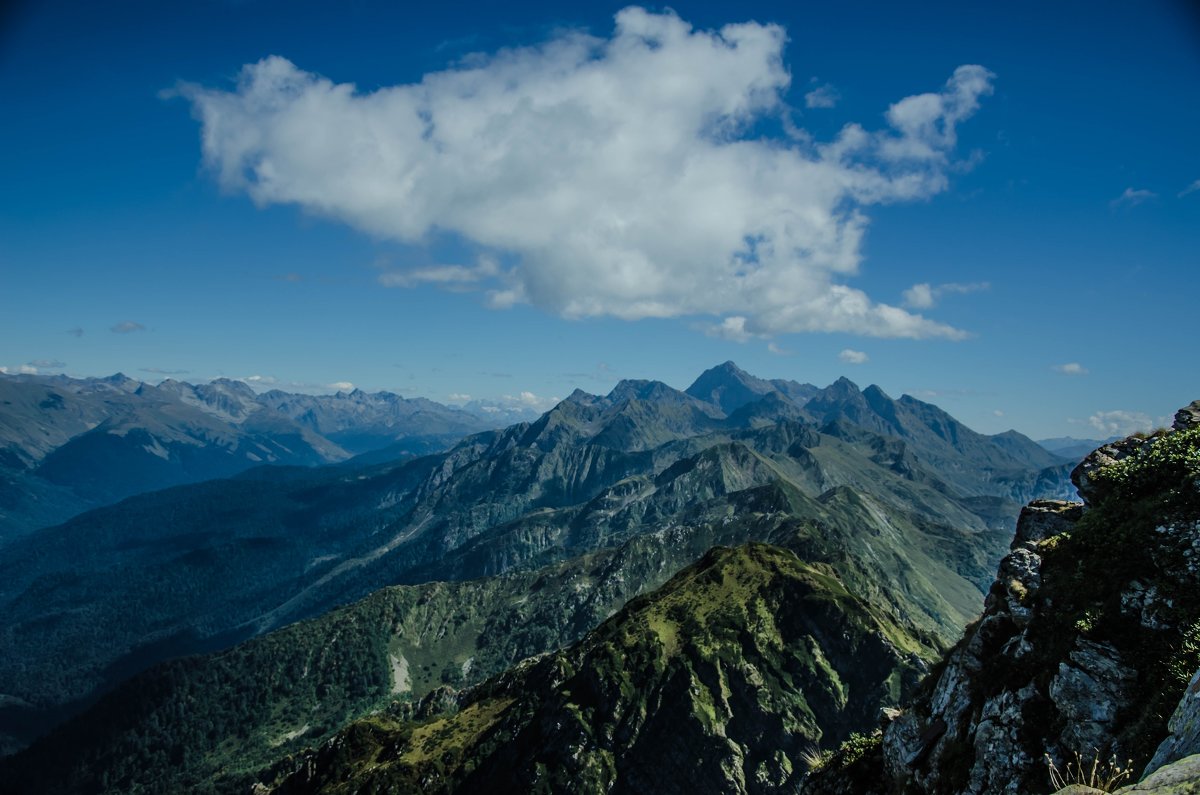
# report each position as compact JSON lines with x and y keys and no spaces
{"x":69,"y":444}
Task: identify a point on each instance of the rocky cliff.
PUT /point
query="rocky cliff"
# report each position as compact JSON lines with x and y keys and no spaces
{"x":1089,"y":637}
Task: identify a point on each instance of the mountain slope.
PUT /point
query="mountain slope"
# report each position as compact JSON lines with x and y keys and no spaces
{"x":298,"y":684}
{"x":713,"y":683}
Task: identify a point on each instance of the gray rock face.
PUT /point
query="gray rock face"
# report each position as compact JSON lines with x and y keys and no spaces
{"x":1088,"y":691}
{"x":1184,"y":726}
{"x":1045,"y":518}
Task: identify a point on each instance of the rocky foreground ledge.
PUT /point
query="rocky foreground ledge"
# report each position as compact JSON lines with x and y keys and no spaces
{"x":1086,"y":647}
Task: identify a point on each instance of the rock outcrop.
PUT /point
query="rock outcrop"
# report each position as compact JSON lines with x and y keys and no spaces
{"x":1184,"y":725}
{"x":1085,"y":645}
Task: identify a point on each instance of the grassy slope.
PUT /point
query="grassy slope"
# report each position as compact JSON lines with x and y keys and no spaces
{"x":714,"y":683}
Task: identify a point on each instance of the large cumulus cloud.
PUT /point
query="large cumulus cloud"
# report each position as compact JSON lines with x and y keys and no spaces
{"x":620,"y":176}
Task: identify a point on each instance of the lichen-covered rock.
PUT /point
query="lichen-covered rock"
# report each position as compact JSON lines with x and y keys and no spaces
{"x":1184,"y":726}
{"x":1045,"y":518}
{"x":1177,"y":778}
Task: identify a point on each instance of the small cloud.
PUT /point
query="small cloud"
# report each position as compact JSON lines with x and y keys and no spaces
{"x":527,"y":399}
{"x":850,"y":356}
{"x":161,"y":371}
{"x":997,"y":413}
{"x":48,"y":364}
{"x":1071,"y":368}
{"x":458,"y":397}
{"x":1120,"y":423}
{"x":1195,"y":186}
{"x":3,"y":371}
{"x":731,"y":328}
{"x":825,"y":96}
{"x":775,"y":349}
{"x":447,"y":277}
{"x":127,"y":327}
{"x":926,"y":295}
{"x":259,"y":380}
{"x":919,"y":296}
{"x":341,"y":386}
{"x":1132,"y":198}
{"x":75,"y":332}
{"x":26,"y":369}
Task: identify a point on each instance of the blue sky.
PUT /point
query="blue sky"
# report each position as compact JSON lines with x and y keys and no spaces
{"x":520,"y":199}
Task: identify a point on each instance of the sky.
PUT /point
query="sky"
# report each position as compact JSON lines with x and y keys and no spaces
{"x":994,"y":208}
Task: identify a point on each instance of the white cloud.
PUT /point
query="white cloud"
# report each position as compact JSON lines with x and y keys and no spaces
{"x":458,"y":397}
{"x":3,"y":371}
{"x":825,"y":96}
{"x":340,"y":386}
{"x":127,"y":327}
{"x":1132,"y":198}
{"x":997,"y":413}
{"x":919,"y":296}
{"x":926,"y":296}
{"x":853,"y":357}
{"x":1071,"y":368}
{"x":620,"y":176}
{"x":523,"y":400}
{"x":778,"y":351}
{"x":1120,"y":423}
{"x":448,"y":276}
{"x":1195,"y":186}
{"x":27,"y":369}
{"x":731,"y":328}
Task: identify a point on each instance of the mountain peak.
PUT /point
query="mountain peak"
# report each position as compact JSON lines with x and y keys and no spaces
{"x":873,"y":392}
{"x":843,"y":387}
{"x":729,"y":387}
{"x":729,"y":366}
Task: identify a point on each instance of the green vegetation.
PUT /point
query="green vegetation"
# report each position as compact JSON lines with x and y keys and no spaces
{"x":721,"y":677}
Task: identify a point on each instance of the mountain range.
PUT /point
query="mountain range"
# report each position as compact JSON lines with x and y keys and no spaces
{"x":755,"y":669}
{"x":67,"y":445}
{"x":906,"y":507}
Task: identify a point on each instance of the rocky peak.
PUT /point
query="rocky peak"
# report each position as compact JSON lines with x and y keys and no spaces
{"x":729,"y":387}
